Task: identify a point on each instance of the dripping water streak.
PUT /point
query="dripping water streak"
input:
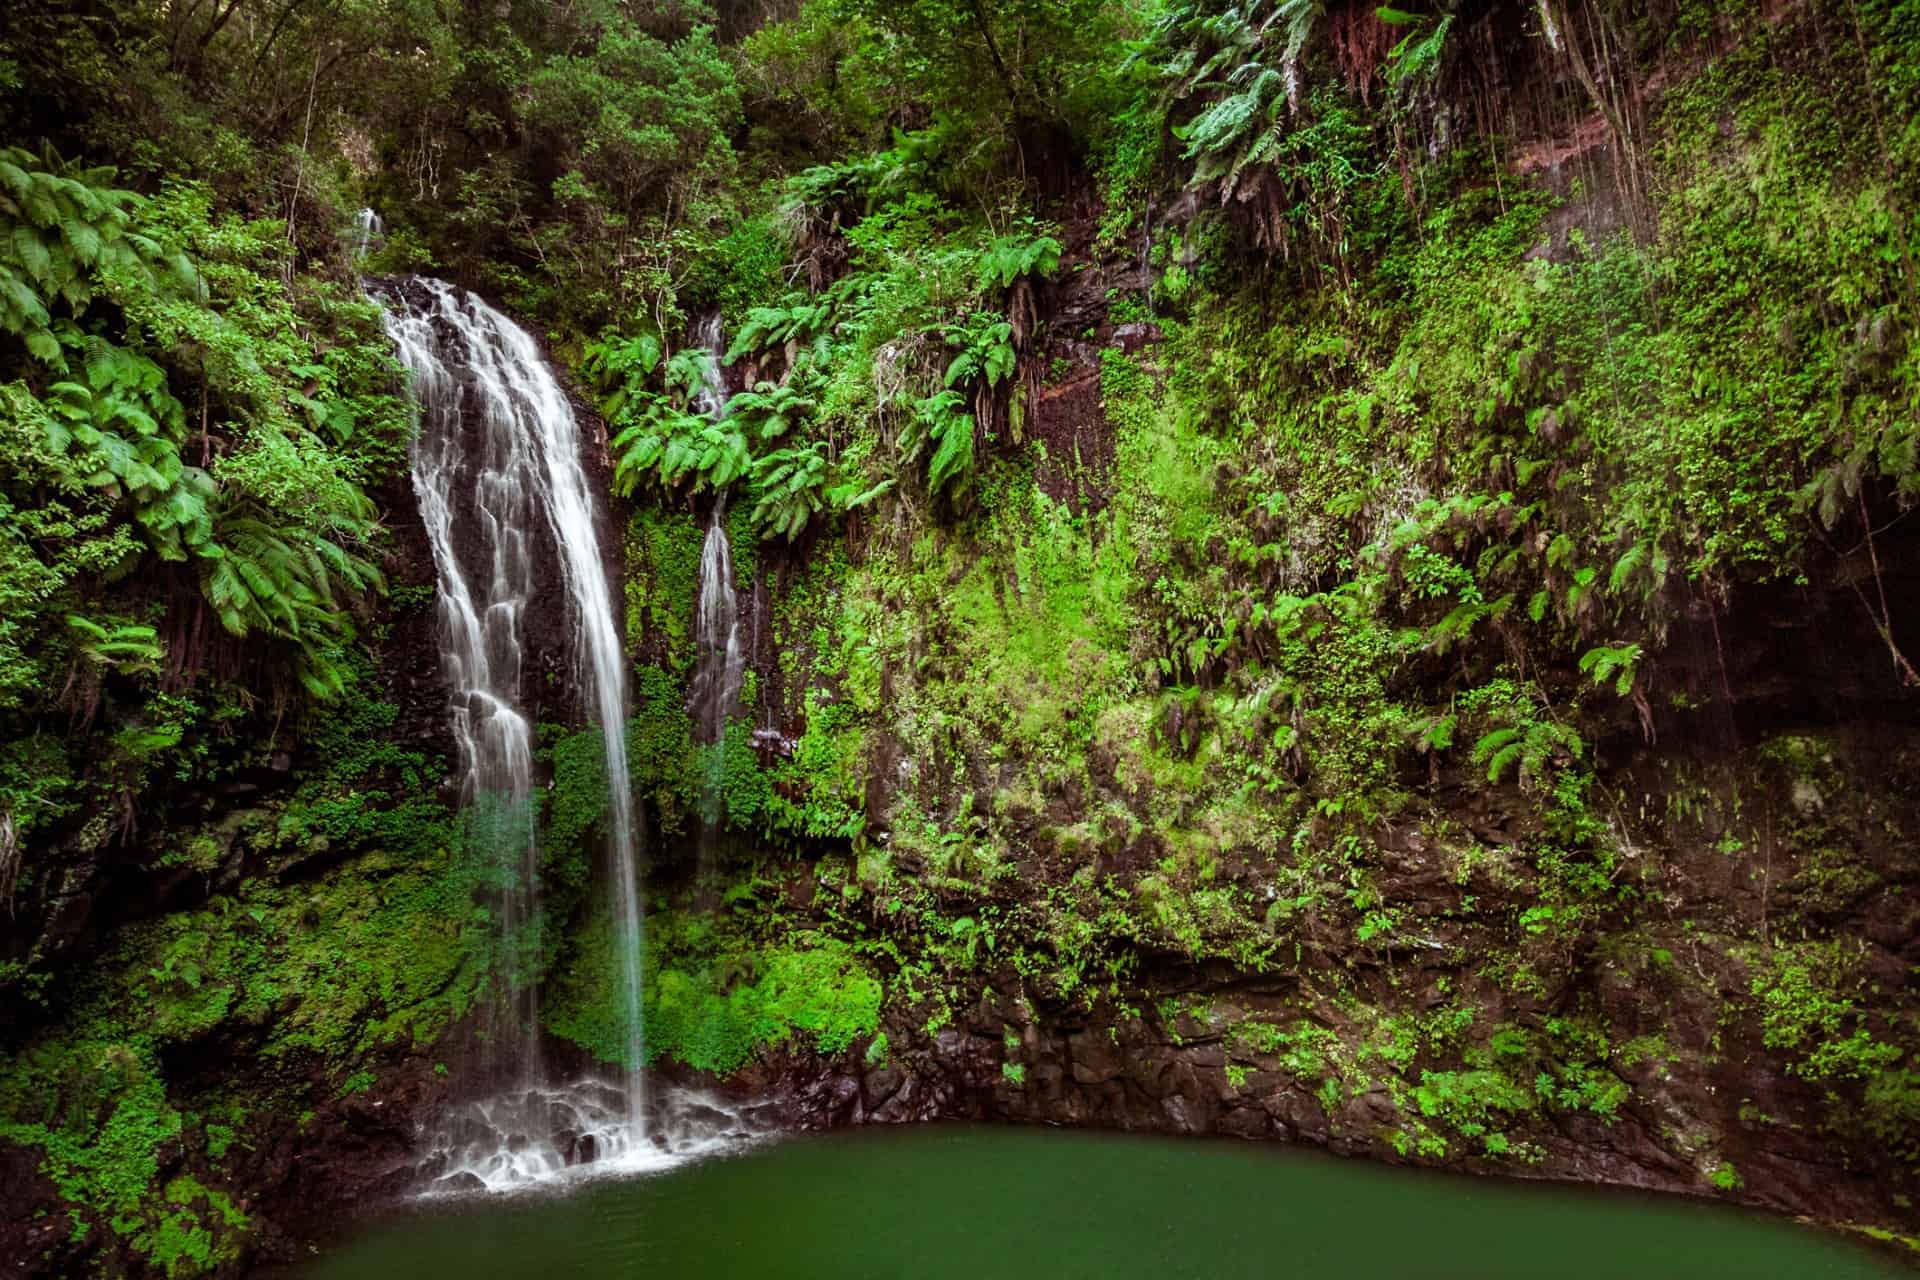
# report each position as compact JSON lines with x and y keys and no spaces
{"x":716,"y":633}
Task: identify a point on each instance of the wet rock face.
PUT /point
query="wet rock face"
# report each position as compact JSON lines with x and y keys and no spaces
{"x":1138,"y":1075}
{"x":1688,"y":1089}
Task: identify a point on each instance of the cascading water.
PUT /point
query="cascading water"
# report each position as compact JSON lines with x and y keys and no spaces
{"x":498,"y":455}
{"x":720,"y":662}
{"x":367,"y":228}
{"x":476,"y":492}
{"x":712,"y":399}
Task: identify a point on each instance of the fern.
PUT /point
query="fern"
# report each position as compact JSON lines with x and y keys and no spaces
{"x":1417,"y":57}
{"x":797,"y":319}
{"x":789,"y":489}
{"x":668,"y":446}
{"x":120,"y":430}
{"x":865,"y":180}
{"x":1007,"y":258}
{"x":1434,"y":733}
{"x":62,"y":231}
{"x":1215,"y":132}
{"x":941,"y":420}
{"x":986,"y":350}
{"x":658,"y":436}
{"x":1618,"y":663}
{"x":619,"y":367}
{"x":849,"y":496}
{"x":288,"y":582}
{"x":769,"y":411}
{"x":1646,"y":563}
{"x":1460,"y":622}
{"x":1892,"y":449}
{"x":1532,"y":745}
{"x":124,"y":646}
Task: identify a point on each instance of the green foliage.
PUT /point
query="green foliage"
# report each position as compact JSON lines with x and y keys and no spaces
{"x":687,"y":447}
{"x":1009,"y":258}
{"x":714,"y":1004}
{"x":325,"y":973}
{"x":1301,"y":655}
{"x":1807,"y":1006}
{"x":789,"y":489}
{"x":63,"y":231}
{"x":942,"y":424}
{"x":933,"y":319}
{"x":987,"y":354}
{"x":1533,"y":746}
{"x":130,"y":516}
{"x":126,"y":647}
{"x":575,"y":804}
{"x":660,"y":748}
{"x":877,"y":1054}
{"x":1238,"y":74}
{"x":995,"y":68}
{"x":1612,"y":662}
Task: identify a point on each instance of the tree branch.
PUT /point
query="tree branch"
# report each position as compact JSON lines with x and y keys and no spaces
{"x":978,"y":9}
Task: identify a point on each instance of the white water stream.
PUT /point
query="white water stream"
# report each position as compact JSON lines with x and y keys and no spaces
{"x":720,"y":662}
{"x":547,"y":1134}
{"x":367,"y":230}
{"x":497,"y":456}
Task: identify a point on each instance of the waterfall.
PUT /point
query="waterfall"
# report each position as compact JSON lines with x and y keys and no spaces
{"x":497,"y":458}
{"x":1146,"y":255}
{"x":712,"y":399}
{"x":367,"y":228}
{"x":720,"y":661}
{"x":476,"y":495}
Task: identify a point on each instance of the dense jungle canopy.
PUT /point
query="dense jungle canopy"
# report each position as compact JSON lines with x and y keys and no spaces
{"x":1374,"y":538}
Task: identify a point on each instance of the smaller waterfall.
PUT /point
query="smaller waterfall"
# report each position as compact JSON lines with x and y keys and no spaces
{"x":712,"y":399}
{"x":722,"y":661}
{"x":367,"y":229}
{"x":1146,"y":256}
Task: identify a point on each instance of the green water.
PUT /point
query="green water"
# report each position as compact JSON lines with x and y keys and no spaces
{"x":930,"y":1203}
